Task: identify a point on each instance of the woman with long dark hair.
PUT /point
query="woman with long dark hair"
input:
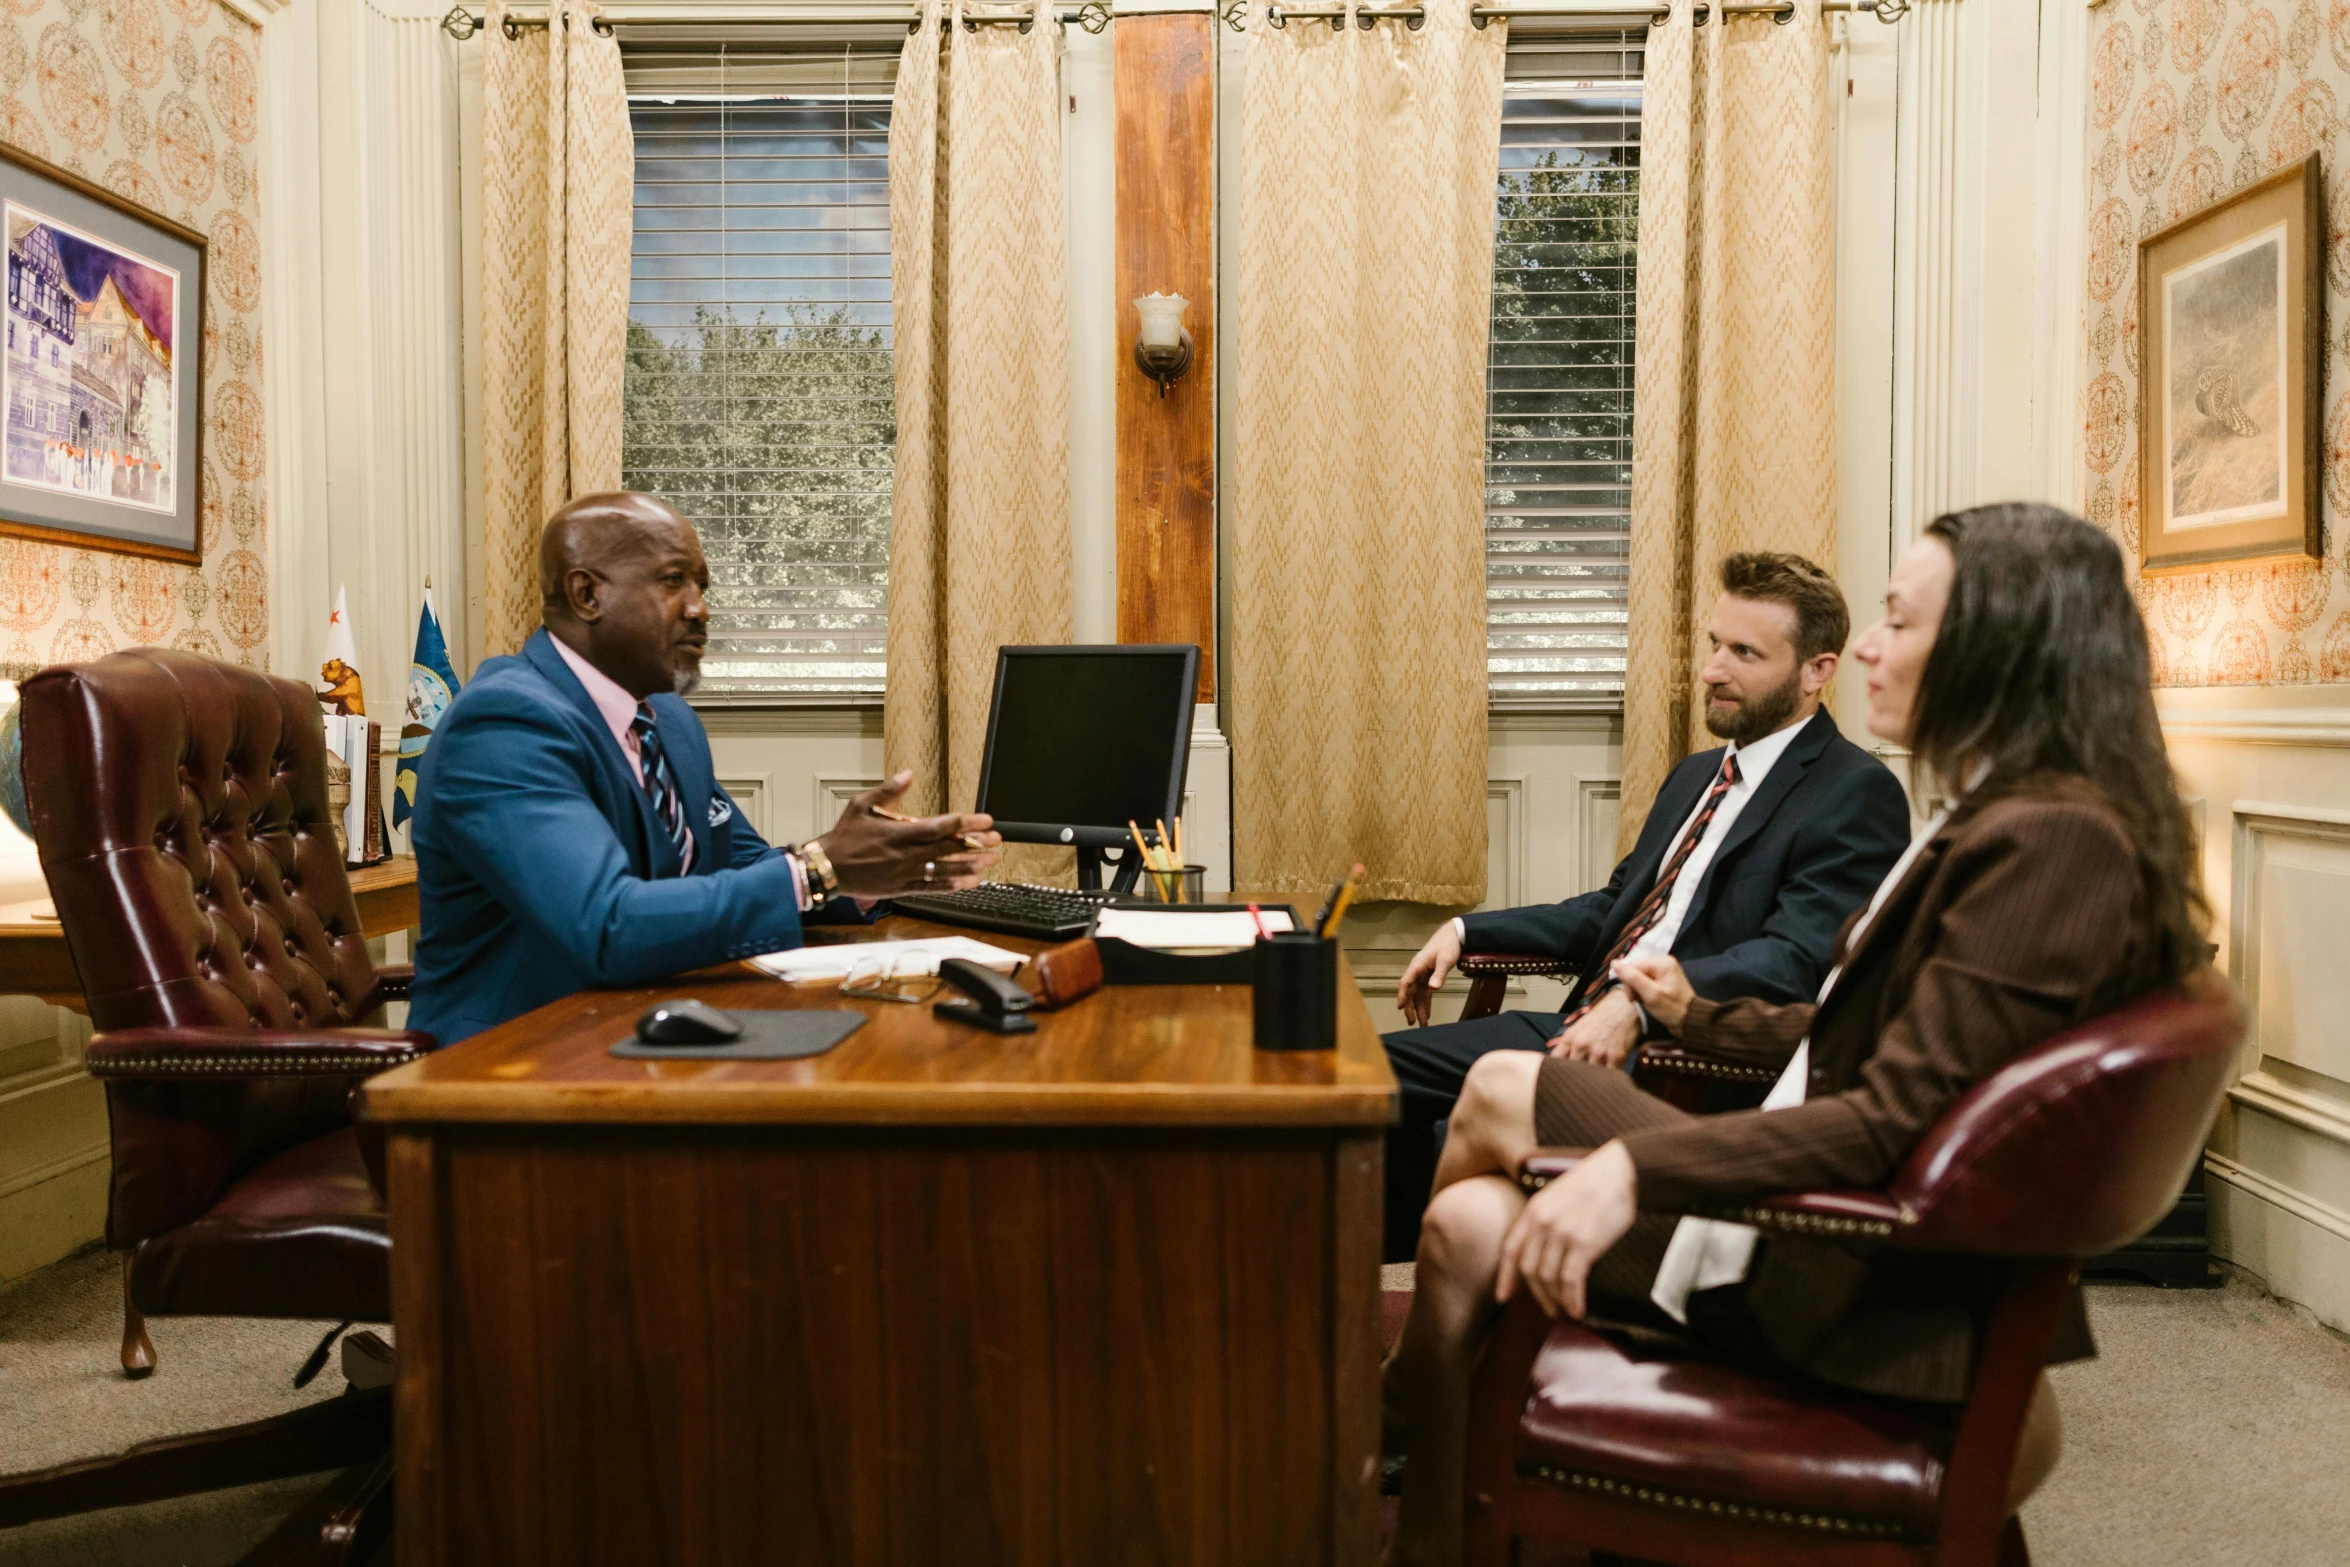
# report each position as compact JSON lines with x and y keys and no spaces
{"x":2056,"y":881}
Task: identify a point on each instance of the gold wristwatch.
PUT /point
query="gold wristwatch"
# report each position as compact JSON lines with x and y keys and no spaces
{"x":823,"y":881}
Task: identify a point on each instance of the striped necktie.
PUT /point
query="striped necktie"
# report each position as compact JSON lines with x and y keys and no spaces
{"x":661,"y":784}
{"x":1652,"y":908}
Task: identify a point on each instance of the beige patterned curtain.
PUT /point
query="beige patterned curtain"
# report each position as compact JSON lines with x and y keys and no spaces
{"x":1734,"y":399}
{"x":1356,"y":630}
{"x":979,"y":536}
{"x":558,"y":181}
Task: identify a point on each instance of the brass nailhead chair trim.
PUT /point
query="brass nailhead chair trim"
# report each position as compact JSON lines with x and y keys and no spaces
{"x":1712,"y":1507}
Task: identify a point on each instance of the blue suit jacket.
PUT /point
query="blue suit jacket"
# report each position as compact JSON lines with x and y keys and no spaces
{"x":1820,"y":833}
{"x":540,"y":869}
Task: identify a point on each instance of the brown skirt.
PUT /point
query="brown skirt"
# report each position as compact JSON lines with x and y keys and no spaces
{"x":1579,"y":1105}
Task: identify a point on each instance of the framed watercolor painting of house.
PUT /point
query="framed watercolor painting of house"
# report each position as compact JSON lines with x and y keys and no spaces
{"x":2231,"y":305}
{"x":101,"y":380}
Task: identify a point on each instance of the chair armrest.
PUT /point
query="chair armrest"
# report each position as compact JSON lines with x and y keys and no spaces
{"x":1852,"y":1216}
{"x":1673,"y":1061}
{"x":219,"y":1054}
{"x":393,"y":981}
{"x":1475,"y":965}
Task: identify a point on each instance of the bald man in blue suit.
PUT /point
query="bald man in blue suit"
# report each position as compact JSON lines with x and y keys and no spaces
{"x":569,"y":829}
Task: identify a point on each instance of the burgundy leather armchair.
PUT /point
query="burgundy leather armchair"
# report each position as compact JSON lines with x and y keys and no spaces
{"x":180,"y":809}
{"x":1691,"y":1079}
{"x":2074,"y":1148}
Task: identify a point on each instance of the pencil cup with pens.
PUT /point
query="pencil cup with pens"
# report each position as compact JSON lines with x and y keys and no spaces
{"x":1165,"y":878}
{"x":1295,"y":996}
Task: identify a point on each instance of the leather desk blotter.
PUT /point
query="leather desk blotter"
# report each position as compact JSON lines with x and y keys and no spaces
{"x":772,"y":1035}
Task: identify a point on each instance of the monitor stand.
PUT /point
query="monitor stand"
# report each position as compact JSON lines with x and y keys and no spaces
{"x":1089,"y":870}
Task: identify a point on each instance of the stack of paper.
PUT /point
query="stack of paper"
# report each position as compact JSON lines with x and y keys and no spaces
{"x":807,"y":964}
{"x":1187,"y":930}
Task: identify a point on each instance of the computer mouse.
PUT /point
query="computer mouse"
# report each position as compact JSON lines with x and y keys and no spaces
{"x":687,"y":1022}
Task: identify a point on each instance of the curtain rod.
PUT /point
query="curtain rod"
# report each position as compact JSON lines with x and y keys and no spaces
{"x":463,"y":22}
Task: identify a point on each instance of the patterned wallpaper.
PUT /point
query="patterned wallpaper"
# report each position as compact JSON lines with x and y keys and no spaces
{"x":156,"y":100}
{"x":2190,"y":100}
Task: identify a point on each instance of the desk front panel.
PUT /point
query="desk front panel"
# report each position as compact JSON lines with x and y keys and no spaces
{"x":907,"y":1346}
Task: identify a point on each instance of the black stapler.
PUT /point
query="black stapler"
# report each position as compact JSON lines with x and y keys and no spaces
{"x":990,"y":1000}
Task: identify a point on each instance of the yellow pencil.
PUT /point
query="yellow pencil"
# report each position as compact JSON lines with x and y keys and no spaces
{"x":1140,"y":847}
{"x":1346,"y":895}
{"x":1179,"y":860}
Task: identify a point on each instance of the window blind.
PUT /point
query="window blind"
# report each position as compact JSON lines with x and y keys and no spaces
{"x":758,"y":395}
{"x":1559,"y":371}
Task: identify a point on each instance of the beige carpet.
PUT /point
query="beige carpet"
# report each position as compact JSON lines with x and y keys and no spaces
{"x":63,"y":1397}
{"x":2213,"y":1428}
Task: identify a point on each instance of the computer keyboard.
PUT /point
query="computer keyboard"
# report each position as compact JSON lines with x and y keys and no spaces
{"x":1016,"y":908}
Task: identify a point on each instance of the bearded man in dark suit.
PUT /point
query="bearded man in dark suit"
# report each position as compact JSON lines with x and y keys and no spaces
{"x":1751,"y":857}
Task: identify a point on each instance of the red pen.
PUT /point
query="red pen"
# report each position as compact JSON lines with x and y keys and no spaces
{"x":1262,"y":933}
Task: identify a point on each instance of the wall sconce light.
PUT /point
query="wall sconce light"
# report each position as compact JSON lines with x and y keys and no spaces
{"x":1162,"y":348}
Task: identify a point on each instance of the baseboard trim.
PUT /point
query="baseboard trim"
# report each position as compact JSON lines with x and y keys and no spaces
{"x":50,"y":1170}
{"x":2310,"y":1112}
{"x":2297,"y":1246}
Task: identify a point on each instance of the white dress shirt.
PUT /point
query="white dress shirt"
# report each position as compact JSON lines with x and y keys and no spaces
{"x":1754,"y":765}
{"x":1705,"y":1254}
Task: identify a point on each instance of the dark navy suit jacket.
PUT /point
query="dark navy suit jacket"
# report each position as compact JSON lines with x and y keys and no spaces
{"x":1823,"y":829}
{"x":540,"y":869}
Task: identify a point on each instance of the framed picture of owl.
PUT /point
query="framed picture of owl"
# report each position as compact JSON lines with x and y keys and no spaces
{"x":2231,"y":322}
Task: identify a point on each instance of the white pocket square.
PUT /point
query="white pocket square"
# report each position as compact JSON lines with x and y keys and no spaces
{"x":721,"y":811}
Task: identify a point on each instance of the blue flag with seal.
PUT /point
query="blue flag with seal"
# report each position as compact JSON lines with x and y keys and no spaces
{"x":432,"y":686}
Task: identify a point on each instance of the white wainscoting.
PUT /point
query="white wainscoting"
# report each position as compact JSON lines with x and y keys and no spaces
{"x":53,"y":1153}
{"x":2268,"y":770}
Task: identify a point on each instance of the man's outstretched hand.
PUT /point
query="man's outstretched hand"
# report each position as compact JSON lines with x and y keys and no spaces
{"x":877,"y":853}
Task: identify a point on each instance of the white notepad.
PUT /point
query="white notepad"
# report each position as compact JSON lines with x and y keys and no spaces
{"x":1176,"y":929}
{"x":805,"y":964}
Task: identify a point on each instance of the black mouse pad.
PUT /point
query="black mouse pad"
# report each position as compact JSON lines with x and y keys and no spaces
{"x":770,"y":1035}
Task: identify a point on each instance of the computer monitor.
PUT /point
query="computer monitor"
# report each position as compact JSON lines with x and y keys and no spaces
{"x":1083,"y":740}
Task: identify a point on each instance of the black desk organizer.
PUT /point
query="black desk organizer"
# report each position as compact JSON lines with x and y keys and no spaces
{"x":1128,"y":965}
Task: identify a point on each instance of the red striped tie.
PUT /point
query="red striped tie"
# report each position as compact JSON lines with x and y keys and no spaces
{"x":1652,"y":908}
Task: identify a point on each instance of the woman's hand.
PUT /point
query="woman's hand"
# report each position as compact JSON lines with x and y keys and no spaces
{"x":1567,"y":1227}
{"x":1658,"y":984}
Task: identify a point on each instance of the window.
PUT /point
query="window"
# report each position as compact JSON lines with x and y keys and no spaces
{"x":758,"y":398}
{"x":1559,"y":371}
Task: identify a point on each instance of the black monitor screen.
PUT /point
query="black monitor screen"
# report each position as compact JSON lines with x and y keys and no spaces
{"x":1088,"y":737}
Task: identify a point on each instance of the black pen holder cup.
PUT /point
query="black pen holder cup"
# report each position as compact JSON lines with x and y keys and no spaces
{"x":1296,"y":992}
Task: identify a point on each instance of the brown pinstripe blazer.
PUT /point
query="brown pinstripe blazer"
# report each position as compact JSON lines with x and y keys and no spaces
{"x":2023,"y":917}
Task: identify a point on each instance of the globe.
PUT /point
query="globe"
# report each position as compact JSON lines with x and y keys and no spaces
{"x":12,"y":769}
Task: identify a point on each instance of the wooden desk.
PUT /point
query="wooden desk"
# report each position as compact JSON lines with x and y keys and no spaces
{"x":1104,"y":1293}
{"x":34,"y":960}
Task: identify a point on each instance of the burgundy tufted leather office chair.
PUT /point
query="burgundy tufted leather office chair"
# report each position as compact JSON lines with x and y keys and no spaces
{"x":180,"y":809}
{"x":2074,"y":1148}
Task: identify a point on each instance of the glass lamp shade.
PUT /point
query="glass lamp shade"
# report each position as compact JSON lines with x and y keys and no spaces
{"x":1162,"y":320}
